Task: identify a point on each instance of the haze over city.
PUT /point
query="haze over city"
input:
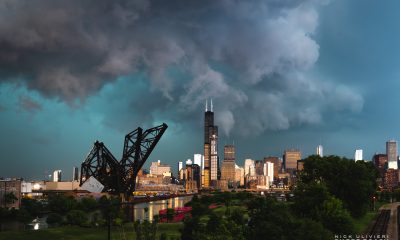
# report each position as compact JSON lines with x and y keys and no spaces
{"x":282,"y":74}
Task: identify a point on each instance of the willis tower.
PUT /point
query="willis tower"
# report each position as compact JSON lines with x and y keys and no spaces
{"x":211,"y":166}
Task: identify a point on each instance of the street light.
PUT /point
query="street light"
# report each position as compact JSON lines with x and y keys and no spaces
{"x":373,"y":201}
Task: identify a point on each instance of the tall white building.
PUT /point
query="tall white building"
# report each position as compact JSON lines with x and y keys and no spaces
{"x":180,"y":166}
{"x":189,"y":162}
{"x":239,"y":175}
{"x":320,"y":151}
{"x":269,"y":171}
{"x":198,"y":159}
{"x":57,"y":176}
{"x":392,"y":153}
{"x":249,"y":167}
{"x":358,"y":155}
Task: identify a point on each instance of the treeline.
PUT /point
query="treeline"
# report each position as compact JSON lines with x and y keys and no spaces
{"x":66,"y":210}
{"x":85,"y":212}
{"x":330,"y":193}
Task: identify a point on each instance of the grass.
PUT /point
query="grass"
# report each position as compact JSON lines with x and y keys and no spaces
{"x":73,"y":233}
{"x":361,"y":224}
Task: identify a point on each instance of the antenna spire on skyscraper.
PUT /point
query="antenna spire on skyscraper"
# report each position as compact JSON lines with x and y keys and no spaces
{"x":206,"y":105}
{"x":211,"y":106}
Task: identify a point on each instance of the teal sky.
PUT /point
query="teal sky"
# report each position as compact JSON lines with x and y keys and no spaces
{"x":282,"y":74}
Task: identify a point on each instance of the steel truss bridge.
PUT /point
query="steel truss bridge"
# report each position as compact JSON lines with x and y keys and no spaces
{"x":119,"y":177}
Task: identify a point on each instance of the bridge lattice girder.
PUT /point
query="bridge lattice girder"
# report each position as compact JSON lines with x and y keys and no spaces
{"x":101,"y":164}
{"x":138,"y":146}
{"x":120,"y":176}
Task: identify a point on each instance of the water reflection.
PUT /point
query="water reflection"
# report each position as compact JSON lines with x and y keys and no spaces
{"x":146,"y":211}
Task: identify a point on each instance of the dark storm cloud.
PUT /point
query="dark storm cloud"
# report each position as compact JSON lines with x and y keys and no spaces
{"x":251,"y":57}
{"x":29,"y":104}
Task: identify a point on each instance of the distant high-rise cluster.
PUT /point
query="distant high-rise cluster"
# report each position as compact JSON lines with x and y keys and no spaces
{"x":190,"y":175}
{"x":259,"y":174}
{"x":387,"y":165}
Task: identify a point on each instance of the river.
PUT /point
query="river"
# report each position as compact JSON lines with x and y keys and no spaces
{"x":141,"y":211}
{"x":146,"y":211}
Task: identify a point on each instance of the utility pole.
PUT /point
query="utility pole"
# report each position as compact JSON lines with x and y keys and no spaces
{"x":5,"y":193}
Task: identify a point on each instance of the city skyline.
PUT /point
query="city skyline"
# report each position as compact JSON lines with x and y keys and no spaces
{"x":65,"y":84}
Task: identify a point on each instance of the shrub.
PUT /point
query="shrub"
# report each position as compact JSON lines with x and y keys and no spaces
{"x":77,"y":217}
{"x":54,"y":219}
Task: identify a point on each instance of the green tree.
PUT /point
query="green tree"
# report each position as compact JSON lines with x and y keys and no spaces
{"x":307,"y":229}
{"x":335,"y":217}
{"x":77,"y":217}
{"x":170,"y":214}
{"x":268,"y":219}
{"x":33,"y":206}
{"x":145,"y":230}
{"x":352,"y":182}
{"x":61,"y":204}
{"x":237,"y":216}
{"x":110,"y":208}
{"x":199,"y":209}
{"x":308,"y":199}
{"x":163,"y":236}
{"x":24,"y":217}
{"x":137,"y":226}
{"x":4,"y":213}
{"x":97,"y":220}
{"x":192,"y":229}
{"x":87,"y":204}
{"x":273,"y":220}
{"x":10,"y":198}
{"x":54,"y":219}
{"x":315,"y":202}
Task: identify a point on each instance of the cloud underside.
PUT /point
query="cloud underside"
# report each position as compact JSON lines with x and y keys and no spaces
{"x":252,"y":58}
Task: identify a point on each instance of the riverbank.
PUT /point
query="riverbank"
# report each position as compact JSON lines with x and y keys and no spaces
{"x":145,"y":199}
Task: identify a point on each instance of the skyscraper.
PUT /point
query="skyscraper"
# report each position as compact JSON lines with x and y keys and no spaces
{"x":198,"y":159}
{"x":277,"y":165}
{"x":239,"y":175}
{"x":391,"y":152}
{"x":229,"y":153}
{"x":180,"y":171}
{"x":211,"y":166}
{"x":57,"y":176}
{"x":214,"y":155}
{"x":228,"y":165}
{"x":259,"y":166}
{"x":358,"y":155}
{"x":290,"y":159}
{"x":180,"y":166}
{"x":320,"y":151}
{"x":75,"y":174}
{"x":249,"y":168}
{"x":269,"y":171}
